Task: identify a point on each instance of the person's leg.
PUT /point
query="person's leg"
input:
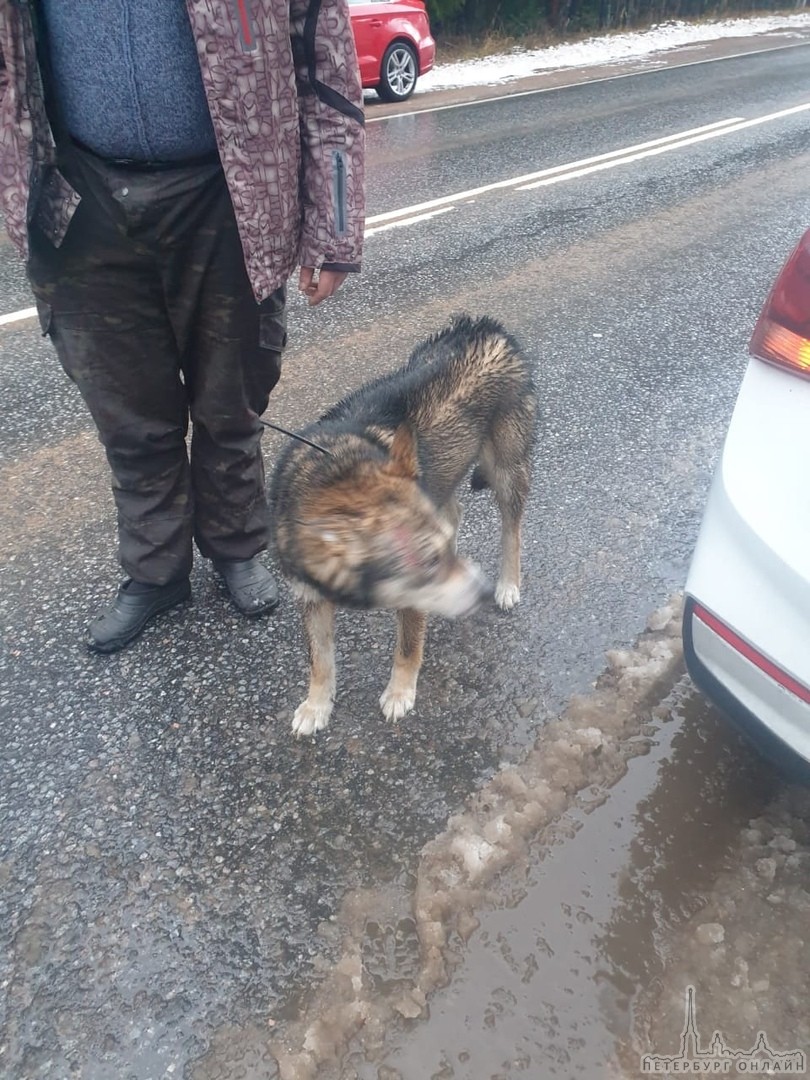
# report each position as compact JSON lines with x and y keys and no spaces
{"x":101,"y":303}
{"x":231,"y":349}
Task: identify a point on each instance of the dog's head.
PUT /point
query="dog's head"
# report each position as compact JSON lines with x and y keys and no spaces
{"x":373,"y":538}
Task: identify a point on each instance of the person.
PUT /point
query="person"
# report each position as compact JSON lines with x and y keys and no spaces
{"x":164,"y":167}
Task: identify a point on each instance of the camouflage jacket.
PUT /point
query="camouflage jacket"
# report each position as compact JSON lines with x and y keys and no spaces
{"x":283,"y":89}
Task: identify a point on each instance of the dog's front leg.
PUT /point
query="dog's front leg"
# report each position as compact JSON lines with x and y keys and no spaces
{"x":319,"y":623}
{"x":507,"y":591}
{"x":400,"y":694}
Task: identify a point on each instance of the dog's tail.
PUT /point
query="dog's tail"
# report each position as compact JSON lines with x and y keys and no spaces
{"x":478,"y":482}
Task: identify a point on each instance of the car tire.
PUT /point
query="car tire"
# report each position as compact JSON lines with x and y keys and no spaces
{"x":398,"y":72}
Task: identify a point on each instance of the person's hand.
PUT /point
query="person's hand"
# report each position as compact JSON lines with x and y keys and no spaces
{"x":317,"y":288}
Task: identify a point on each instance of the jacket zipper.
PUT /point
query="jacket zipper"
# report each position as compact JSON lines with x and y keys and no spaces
{"x":339,"y":182}
{"x":246,"y":29}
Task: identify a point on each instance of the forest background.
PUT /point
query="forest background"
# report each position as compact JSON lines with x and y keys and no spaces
{"x":478,"y":27}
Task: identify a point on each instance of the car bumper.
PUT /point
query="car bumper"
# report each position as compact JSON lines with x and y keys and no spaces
{"x":747,"y":620}
{"x":427,"y":54}
{"x":774,"y":719}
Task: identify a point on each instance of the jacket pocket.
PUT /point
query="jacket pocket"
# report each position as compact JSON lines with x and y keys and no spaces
{"x":339,"y":191}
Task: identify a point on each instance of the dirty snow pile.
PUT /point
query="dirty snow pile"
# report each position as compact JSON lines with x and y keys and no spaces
{"x":610,"y":49}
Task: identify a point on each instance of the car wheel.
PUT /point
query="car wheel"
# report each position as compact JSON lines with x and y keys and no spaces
{"x":398,"y":73}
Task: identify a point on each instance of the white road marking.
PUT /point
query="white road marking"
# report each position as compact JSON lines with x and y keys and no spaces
{"x":18,"y":316}
{"x":516,"y":181}
{"x":410,"y":220}
{"x":408,"y":215}
{"x":419,"y":212}
{"x":739,"y":126}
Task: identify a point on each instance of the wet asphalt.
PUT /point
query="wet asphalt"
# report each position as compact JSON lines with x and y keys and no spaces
{"x":170,"y":857}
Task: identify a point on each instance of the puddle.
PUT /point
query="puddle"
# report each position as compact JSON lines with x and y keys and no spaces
{"x":745,"y":954}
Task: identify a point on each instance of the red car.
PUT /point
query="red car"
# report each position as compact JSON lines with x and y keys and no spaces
{"x":394,"y":45}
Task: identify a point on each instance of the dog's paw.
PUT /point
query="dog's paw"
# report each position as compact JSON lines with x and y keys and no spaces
{"x":309,"y":719}
{"x":397,"y":700}
{"x":507,"y":595}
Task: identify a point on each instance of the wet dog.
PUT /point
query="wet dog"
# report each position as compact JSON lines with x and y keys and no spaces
{"x":372,"y":522}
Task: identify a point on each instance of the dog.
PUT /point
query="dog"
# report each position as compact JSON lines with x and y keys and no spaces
{"x":368,"y":517}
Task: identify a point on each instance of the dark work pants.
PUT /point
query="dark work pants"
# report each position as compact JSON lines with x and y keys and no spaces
{"x":148,"y":304}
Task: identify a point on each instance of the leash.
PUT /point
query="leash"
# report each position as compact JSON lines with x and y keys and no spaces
{"x":292,"y":435}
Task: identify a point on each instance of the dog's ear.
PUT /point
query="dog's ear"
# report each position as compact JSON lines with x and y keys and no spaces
{"x":404,"y":457}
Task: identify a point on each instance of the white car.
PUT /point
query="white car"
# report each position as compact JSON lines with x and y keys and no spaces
{"x":746,"y":629}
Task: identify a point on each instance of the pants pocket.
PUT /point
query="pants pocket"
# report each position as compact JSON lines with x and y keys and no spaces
{"x":273,"y":321}
{"x":45,"y":316}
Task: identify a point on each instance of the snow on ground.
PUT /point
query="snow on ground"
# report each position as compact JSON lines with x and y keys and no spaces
{"x":609,"y":49}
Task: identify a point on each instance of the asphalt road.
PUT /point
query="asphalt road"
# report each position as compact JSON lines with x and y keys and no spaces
{"x":169,"y":856}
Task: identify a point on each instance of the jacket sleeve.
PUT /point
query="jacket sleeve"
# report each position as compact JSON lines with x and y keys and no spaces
{"x":330,"y":103}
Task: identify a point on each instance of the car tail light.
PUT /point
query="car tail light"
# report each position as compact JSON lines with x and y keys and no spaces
{"x":782,"y":333}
